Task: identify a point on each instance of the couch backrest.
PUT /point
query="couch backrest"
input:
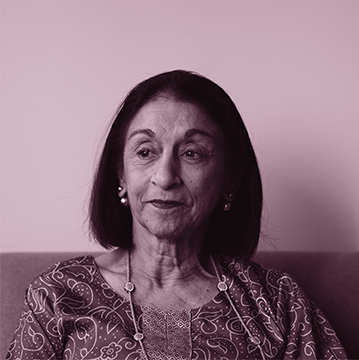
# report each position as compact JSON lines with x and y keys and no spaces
{"x":331,"y":280}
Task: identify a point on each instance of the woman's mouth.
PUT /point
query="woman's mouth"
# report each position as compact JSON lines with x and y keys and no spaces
{"x":162,"y":204}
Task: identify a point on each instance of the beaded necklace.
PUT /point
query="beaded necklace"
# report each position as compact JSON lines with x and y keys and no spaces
{"x":222,"y":286}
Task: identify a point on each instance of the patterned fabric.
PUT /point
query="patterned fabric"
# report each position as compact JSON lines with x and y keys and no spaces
{"x":169,"y":327}
{"x":70,"y":312}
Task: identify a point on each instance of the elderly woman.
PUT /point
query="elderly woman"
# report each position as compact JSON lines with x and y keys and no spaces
{"x":178,"y":198}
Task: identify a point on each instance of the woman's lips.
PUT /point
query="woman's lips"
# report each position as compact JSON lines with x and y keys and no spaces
{"x":162,"y":204}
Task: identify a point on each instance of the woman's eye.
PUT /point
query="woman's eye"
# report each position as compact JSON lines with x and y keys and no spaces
{"x":193,"y":155}
{"x":144,"y":153}
{"x":190,"y":153}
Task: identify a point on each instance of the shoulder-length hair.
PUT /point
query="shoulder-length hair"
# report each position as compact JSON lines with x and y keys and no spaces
{"x":234,"y":232}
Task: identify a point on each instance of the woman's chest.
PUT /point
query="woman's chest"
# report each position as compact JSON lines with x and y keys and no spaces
{"x":107,"y":332}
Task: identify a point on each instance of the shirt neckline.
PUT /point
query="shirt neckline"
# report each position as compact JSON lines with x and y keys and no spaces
{"x":217,"y":298}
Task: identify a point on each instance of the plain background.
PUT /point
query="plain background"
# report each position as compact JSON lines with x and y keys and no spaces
{"x":292,"y":68}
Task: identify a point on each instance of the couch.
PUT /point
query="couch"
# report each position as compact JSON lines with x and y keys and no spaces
{"x":331,"y":280}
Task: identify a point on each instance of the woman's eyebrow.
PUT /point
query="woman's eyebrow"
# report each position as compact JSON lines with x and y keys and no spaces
{"x":147,"y":132}
{"x":188,"y":134}
{"x":192,"y":132}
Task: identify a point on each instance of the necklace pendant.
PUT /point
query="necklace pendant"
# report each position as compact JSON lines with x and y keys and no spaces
{"x":129,"y":287}
{"x":222,"y":286}
{"x":138,"y":336}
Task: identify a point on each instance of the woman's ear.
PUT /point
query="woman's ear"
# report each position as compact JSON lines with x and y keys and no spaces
{"x":122,"y":187}
{"x":232,"y":187}
{"x":230,"y":193}
{"x":229,"y":196}
{"x":121,"y":191}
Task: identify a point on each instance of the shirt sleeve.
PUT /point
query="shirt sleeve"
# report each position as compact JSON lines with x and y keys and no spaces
{"x":309,"y":333}
{"x":36,"y":336}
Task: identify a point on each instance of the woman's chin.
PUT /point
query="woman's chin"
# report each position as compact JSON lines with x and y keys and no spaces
{"x":167,"y":231}
{"x":170,"y":224}
{"x":169,"y":228}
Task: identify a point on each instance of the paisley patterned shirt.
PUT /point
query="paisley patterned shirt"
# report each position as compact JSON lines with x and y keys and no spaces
{"x":70,"y":312}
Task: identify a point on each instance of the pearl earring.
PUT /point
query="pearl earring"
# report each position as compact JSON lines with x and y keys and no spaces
{"x":124,"y":201}
{"x":227,"y":206}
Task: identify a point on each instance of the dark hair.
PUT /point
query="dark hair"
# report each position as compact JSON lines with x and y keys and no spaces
{"x":234,"y":232}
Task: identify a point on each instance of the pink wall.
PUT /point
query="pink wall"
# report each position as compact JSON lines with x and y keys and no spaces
{"x":291,"y":67}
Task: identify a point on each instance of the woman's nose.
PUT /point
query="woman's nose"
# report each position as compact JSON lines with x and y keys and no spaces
{"x":166,"y":172}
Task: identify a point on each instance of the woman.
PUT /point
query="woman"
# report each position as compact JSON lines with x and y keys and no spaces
{"x":178,"y":197}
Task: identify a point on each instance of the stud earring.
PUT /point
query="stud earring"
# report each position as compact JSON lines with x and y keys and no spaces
{"x":124,"y":201}
{"x":228,"y":205}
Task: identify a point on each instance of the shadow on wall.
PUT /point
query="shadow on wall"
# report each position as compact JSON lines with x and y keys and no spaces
{"x":310,"y":216}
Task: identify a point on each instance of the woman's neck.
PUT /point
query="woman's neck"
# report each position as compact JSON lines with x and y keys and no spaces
{"x":170,"y":279}
{"x":168,"y":261}
{"x":166,"y":274}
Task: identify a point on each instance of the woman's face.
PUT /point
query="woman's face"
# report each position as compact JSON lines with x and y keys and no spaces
{"x":174,"y":172}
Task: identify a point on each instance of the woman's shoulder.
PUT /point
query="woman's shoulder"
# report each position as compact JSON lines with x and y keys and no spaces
{"x":64,"y":273}
{"x":67,"y":266}
{"x":253,"y":275}
{"x":285,"y":306}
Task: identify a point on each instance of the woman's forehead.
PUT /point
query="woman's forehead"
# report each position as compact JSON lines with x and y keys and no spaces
{"x":171,"y":116}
